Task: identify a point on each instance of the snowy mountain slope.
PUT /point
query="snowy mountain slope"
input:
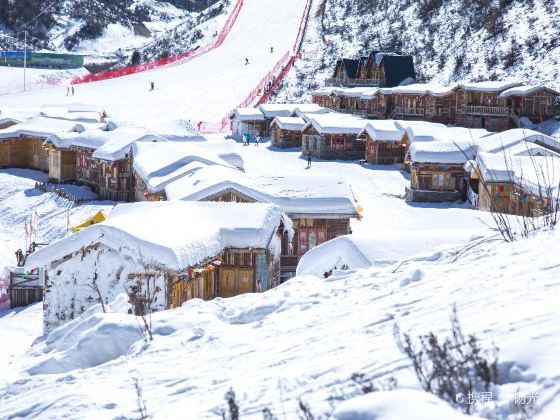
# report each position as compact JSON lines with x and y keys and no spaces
{"x":450,"y":40}
{"x":89,"y":26}
{"x":304,"y":340}
{"x":205,"y":88}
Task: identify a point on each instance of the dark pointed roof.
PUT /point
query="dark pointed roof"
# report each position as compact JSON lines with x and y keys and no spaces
{"x":351,"y":67}
{"x":397,"y":69}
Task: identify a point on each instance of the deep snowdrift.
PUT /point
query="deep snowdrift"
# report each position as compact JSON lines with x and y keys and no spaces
{"x":306,"y":338}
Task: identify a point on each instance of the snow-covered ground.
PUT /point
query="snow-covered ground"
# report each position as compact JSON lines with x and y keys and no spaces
{"x":206,"y":88}
{"x":11,"y":79}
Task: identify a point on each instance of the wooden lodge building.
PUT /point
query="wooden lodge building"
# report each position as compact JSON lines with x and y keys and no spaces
{"x":286,"y":131}
{"x":383,"y":140}
{"x":526,"y":185}
{"x":320,"y":207}
{"x":333,"y":136}
{"x":249,"y":121}
{"x":195,"y":250}
{"x":379,"y":69}
{"x":21,"y":145}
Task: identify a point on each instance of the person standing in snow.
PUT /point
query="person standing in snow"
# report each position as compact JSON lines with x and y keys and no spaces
{"x":72,"y":90}
{"x":152,"y":85}
{"x":309,"y":159}
{"x":271,"y":50}
{"x":257,"y":139}
{"x":246,"y":61}
{"x":68,"y":91}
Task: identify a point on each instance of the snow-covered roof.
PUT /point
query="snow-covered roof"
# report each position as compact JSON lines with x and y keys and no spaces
{"x":41,"y":127}
{"x":404,"y":124}
{"x":369,"y":93}
{"x":308,"y":109}
{"x":424,"y":133}
{"x":296,"y":195}
{"x":159,"y":163}
{"x":509,"y":138}
{"x":420,"y":89}
{"x":174,"y":235}
{"x":444,"y":152}
{"x":109,"y":145}
{"x":383,"y":130}
{"x":354,"y":92}
{"x":324,"y":91}
{"x":525,"y":90}
{"x":289,"y":123}
{"x":249,"y":114}
{"x":335,"y":123}
{"x":277,"y":110}
{"x":537,"y":174}
{"x":74,"y":107}
{"x":62,"y":114}
{"x":448,"y":148}
{"x":4,"y":120}
{"x":489,"y":86}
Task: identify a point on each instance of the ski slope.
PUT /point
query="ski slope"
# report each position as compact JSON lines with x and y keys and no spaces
{"x":203,"y":89}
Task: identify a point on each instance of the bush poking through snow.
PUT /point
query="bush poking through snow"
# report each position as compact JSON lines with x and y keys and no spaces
{"x":454,"y":367}
{"x":233,"y":407}
{"x":141,"y":402}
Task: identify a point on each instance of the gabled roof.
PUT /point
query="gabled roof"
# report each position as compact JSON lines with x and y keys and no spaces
{"x":526,"y":90}
{"x":489,"y":86}
{"x":350,"y":67}
{"x":397,"y":69}
{"x":42,"y":127}
{"x":335,"y":123}
{"x":420,"y":89}
{"x":313,"y":195}
{"x":160,"y":163}
{"x":383,"y":130}
{"x":277,"y":110}
{"x":248,"y":114}
{"x":173,"y":235}
{"x":108,"y":145}
{"x":309,"y":109}
{"x":289,"y":123}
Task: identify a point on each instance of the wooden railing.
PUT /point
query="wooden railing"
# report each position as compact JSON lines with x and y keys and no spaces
{"x":409,"y":112}
{"x":337,"y":81}
{"x":55,"y":188}
{"x":495,"y":111}
{"x":359,"y":112}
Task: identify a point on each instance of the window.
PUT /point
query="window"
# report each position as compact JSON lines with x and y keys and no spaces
{"x":337,"y":143}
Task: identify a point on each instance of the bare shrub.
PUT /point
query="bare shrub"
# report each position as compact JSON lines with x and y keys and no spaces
{"x":455,"y":366}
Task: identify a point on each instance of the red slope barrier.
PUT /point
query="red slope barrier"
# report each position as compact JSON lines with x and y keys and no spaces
{"x":271,"y":81}
{"x":189,"y":55}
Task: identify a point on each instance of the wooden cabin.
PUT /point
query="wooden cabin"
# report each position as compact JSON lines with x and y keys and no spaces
{"x":421,"y":102}
{"x":379,"y":68}
{"x":271,"y":111}
{"x":159,"y":269}
{"x":249,"y":121}
{"x":23,"y":152}
{"x":383,"y":143}
{"x":437,"y":170}
{"x":479,"y":105}
{"x":538,"y":103}
{"x":319,"y":207}
{"x":523,"y":184}
{"x":332,"y":136}
{"x":286,"y":131}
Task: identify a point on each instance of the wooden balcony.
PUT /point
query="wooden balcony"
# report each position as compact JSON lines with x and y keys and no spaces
{"x":336,"y":81}
{"x":401,"y":111}
{"x":491,"y":111}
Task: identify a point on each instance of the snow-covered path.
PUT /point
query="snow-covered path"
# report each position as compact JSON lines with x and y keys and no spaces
{"x":206,"y":88}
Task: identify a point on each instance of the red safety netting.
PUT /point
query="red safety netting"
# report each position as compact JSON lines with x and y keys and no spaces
{"x":273,"y":79}
{"x":189,"y":55}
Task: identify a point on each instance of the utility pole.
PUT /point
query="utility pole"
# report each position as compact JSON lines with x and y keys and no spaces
{"x":24,"y":56}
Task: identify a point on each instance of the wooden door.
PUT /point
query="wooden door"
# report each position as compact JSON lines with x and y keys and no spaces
{"x":244,"y":280}
{"x":227,"y":282}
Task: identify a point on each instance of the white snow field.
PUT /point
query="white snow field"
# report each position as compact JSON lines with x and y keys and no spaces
{"x":304,"y":340}
{"x":203,"y":89}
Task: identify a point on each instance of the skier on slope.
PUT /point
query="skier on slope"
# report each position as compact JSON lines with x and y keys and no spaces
{"x":271,"y":50}
{"x":246,"y":61}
